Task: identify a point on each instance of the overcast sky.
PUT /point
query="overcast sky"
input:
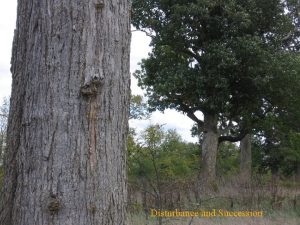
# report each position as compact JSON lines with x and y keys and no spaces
{"x":139,"y":49}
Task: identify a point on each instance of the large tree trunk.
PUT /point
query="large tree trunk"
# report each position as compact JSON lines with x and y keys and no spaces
{"x":209,"y":149}
{"x":67,"y":127}
{"x":245,"y":159}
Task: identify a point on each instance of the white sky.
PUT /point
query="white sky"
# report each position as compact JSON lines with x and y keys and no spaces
{"x":139,"y":49}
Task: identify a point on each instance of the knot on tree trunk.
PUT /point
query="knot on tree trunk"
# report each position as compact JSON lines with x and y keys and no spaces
{"x":99,"y":5}
{"x":54,"y":205}
{"x":92,"y":84}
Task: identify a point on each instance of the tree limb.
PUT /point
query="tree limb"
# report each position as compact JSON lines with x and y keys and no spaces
{"x":229,"y":138}
{"x":190,"y":53}
{"x":191,"y":114}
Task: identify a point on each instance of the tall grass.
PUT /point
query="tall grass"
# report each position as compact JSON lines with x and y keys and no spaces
{"x":280,"y":202}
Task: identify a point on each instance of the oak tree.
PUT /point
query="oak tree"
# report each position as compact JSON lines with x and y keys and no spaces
{"x":68,"y":121}
{"x":221,"y":58}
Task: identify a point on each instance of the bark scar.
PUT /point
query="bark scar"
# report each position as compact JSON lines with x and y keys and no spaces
{"x":92,"y":84}
{"x":54,"y":205}
{"x":99,"y":5}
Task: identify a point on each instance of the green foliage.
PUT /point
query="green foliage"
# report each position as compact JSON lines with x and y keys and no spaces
{"x":293,"y":147}
{"x":138,"y":108}
{"x":236,"y":59}
{"x":162,"y":155}
{"x":290,"y":149}
{"x":277,"y":152}
{"x":228,"y":160}
{"x":175,"y":160}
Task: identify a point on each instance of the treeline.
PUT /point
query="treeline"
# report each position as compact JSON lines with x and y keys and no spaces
{"x":165,"y":172}
{"x":157,"y":151}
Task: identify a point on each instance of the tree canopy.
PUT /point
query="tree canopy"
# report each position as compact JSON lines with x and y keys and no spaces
{"x":231,"y":58}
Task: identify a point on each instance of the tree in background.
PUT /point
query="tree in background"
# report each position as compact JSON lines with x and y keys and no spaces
{"x":221,"y":58}
{"x":159,"y":161}
{"x":276,"y":148}
{"x":275,"y":125}
{"x":4,"y":108}
{"x":68,"y":121}
{"x":291,"y":148}
{"x":228,"y":160}
{"x":138,"y":108}
{"x":246,"y":159}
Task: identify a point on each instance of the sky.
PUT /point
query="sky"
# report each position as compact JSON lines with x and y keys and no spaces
{"x":139,"y":49}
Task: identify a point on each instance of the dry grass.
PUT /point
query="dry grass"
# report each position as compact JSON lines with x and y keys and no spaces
{"x":280,"y":203}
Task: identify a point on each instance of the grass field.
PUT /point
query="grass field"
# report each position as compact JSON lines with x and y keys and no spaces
{"x":279,"y":202}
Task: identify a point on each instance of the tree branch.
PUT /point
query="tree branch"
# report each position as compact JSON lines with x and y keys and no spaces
{"x":190,"y":53}
{"x":146,"y":32}
{"x":191,"y":114}
{"x":229,"y":138}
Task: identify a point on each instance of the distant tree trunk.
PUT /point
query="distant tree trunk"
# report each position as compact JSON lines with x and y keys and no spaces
{"x":68,"y":119}
{"x":298,"y":173}
{"x":1,"y":145}
{"x":3,"y":128}
{"x":209,"y":149}
{"x":246,"y":159}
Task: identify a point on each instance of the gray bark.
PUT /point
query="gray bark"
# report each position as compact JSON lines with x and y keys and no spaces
{"x":209,"y":148}
{"x":245,"y":158}
{"x":68,"y":121}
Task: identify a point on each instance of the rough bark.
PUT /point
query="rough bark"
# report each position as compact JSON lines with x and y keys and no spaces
{"x":68,"y":120}
{"x":245,"y":158}
{"x":209,"y":148}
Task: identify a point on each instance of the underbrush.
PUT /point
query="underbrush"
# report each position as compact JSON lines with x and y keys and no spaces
{"x":279,"y":201}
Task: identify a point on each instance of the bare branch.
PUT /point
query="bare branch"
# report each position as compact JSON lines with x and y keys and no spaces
{"x":147,"y":33}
